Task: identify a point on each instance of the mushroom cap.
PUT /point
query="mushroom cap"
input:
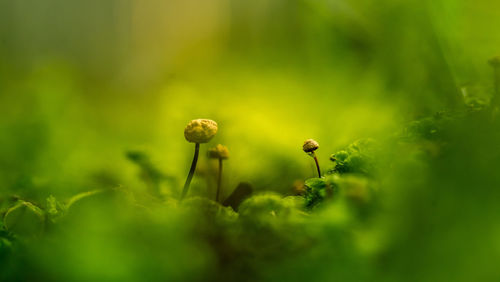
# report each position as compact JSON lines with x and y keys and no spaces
{"x":200,"y":130}
{"x":218,"y":152}
{"x":310,"y":146}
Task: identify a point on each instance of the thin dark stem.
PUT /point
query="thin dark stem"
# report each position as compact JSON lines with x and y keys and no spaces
{"x":191,"y":171}
{"x":317,"y":164}
{"x":219,"y":181}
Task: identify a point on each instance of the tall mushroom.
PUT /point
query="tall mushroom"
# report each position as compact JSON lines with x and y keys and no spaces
{"x":197,"y":131}
{"x":220,"y":153}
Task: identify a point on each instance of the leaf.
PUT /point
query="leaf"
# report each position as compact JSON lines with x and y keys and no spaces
{"x":359,"y":157}
{"x":315,"y":191}
{"x":25,"y":219}
{"x":80,"y":196}
{"x":316,"y":183}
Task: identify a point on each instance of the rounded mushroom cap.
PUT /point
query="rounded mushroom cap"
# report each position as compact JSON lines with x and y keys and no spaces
{"x":310,"y":146}
{"x":218,"y":152}
{"x":495,"y":61}
{"x":200,"y":130}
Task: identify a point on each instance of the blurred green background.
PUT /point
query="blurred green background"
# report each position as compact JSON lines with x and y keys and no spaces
{"x":84,"y":82}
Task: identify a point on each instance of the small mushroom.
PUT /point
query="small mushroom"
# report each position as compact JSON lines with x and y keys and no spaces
{"x":220,"y":153}
{"x":310,"y":146}
{"x":197,"y":131}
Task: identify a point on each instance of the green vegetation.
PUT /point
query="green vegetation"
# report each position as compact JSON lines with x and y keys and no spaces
{"x":339,"y":217}
{"x":402,"y":96}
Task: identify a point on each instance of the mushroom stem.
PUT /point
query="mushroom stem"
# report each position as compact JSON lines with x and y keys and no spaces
{"x":191,"y":171}
{"x":317,"y":164}
{"x":219,"y":180}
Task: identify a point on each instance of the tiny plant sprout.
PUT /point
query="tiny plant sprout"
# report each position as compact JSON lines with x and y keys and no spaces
{"x":310,"y":146}
{"x":242,"y":192}
{"x":197,"y":131}
{"x":220,"y":153}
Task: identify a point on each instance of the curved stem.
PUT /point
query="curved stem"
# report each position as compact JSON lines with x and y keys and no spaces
{"x":191,"y":171}
{"x":219,"y":181}
{"x":317,"y":164}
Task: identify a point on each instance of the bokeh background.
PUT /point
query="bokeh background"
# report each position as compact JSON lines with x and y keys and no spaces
{"x":84,"y":82}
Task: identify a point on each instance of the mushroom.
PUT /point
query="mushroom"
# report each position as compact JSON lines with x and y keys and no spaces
{"x":197,"y":131}
{"x":221,"y":153}
{"x":310,"y":146}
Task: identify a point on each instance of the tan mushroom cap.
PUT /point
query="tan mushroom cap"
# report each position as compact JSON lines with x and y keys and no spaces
{"x":218,"y":152}
{"x":310,"y":146}
{"x":200,"y":130}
